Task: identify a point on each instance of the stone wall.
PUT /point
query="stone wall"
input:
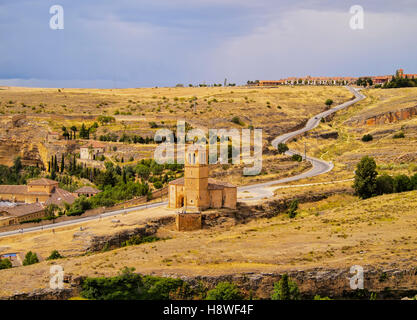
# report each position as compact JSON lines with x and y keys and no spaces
{"x":188,"y":221}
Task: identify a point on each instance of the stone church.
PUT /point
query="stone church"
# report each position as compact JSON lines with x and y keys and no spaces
{"x":196,"y":192}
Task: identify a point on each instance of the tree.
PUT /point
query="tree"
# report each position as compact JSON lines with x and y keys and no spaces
{"x":224,"y":291}
{"x":282,"y":148}
{"x":384,"y":184}
{"x":74,"y":130}
{"x":285,"y":289}
{"x":51,"y":209}
{"x":30,"y":258}
{"x":62,"y":163}
{"x":365,"y":178}
{"x":54,"y":255}
{"x":328,"y":102}
{"x":402,"y":183}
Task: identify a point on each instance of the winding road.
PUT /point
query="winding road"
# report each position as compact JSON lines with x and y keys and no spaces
{"x":246,"y":193}
{"x":260,"y":190}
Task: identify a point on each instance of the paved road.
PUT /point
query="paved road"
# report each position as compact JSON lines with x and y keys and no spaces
{"x":260,"y":190}
{"x":257,"y":191}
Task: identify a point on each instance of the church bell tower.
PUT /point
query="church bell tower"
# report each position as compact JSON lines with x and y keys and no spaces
{"x":196,"y":195}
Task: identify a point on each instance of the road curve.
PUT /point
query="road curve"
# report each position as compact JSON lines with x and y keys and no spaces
{"x":259,"y":190}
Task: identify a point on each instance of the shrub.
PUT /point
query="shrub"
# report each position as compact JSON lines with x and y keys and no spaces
{"x":399,"y":135}
{"x":224,"y":291}
{"x":285,"y":289}
{"x":402,"y":183}
{"x":297,"y":157}
{"x":413,"y":181}
{"x":5,"y":264}
{"x":318,"y":297}
{"x":367,"y":137}
{"x":328,"y":102}
{"x":236,"y":120}
{"x":282,"y":148}
{"x":137,"y":239}
{"x":54,"y":255}
{"x":292,"y":209}
{"x":30,"y":258}
{"x":365,"y":178}
{"x":130,"y":286}
{"x":384,"y":184}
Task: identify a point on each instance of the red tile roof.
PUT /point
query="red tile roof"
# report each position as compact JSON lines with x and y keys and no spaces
{"x":61,"y":196}
{"x":93,"y":144}
{"x":24,"y":209}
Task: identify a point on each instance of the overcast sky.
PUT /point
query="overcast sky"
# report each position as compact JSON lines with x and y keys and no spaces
{"x":128,"y":43}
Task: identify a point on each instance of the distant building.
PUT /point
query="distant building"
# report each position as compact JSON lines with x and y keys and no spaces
{"x":332,"y":80}
{"x":87,"y":191}
{"x":42,"y":190}
{"x":91,"y":150}
{"x":196,"y":191}
{"x":21,"y":213}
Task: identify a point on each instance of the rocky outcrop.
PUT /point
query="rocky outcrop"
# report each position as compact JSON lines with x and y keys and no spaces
{"x":389,"y":117}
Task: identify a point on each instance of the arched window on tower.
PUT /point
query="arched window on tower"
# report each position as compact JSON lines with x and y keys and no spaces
{"x":193,"y":158}
{"x":189,"y":158}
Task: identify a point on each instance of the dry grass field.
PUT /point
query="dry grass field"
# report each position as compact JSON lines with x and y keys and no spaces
{"x":273,"y":109}
{"x":393,"y":156}
{"x":337,"y":232}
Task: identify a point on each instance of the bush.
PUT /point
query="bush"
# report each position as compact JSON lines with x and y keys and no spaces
{"x":413,"y":181}
{"x":384,"y":184}
{"x":130,"y":286}
{"x":399,"y":135}
{"x":365,"y":178}
{"x":282,"y":148}
{"x":367,"y":137}
{"x":285,"y":289}
{"x":137,"y":239}
{"x":30,"y":258}
{"x":328,"y":102}
{"x":297,"y":157}
{"x":402,"y":183}
{"x":292,"y":209}
{"x":5,"y":264}
{"x":54,"y":255}
{"x":224,"y":291}
{"x":237,"y":121}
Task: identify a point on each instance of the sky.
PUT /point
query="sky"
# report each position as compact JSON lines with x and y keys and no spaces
{"x":135,"y":43}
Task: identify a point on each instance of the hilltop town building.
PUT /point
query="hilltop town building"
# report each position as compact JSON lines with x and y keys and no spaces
{"x":196,"y":191}
{"x":330,"y":80}
{"x":91,"y":150}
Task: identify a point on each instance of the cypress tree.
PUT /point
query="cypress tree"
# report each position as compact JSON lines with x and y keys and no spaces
{"x":62,"y":163}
